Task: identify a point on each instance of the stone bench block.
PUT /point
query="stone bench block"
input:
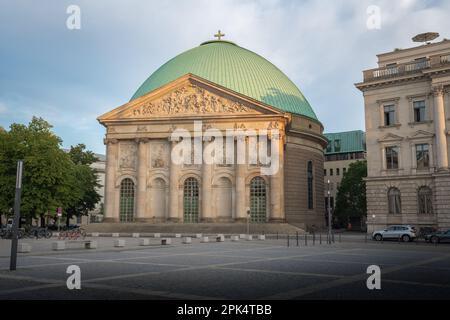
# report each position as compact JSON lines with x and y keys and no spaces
{"x":205,"y":239}
{"x":119,"y":243}
{"x":166,"y":241}
{"x":249,"y":237}
{"x":144,"y":242}
{"x":135,"y":235}
{"x":58,"y":245}
{"x":95,"y":234}
{"x":261,"y":237}
{"x":234,"y":238}
{"x":178,"y":235}
{"x":198,"y":235}
{"x":187,"y":240}
{"x":23,"y":248}
{"x":115,"y":235}
{"x":157,"y":235}
{"x":91,"y":245}
{"x":220,"y":238}
{"x":242,"y":236}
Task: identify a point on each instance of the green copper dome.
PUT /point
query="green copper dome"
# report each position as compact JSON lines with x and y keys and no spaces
{"x":235,"y":68}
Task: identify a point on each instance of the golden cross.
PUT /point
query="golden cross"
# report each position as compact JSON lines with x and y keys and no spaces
{"x":219,"y":35}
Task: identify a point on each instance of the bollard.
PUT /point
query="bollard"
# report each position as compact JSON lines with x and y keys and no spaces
{"x":177,"y":235}
{"x":287,"y":239}
{"x":332,"y":236}
{"x":296,"y":237}
{"x":306,"y":239}
{"x":205,"y":239}
{"x":115,"y":235}
{"x":198,"y":235}
{"x":95,"y":234}
{"x":242,"y":236}
{"x":187,"y":240}
{"x":135,"y":235}
{"x":249,"y":237}
{"x":58,"y":245}
{"x":320,"y":238}
{"x":166,"y":241}
{"x":91,"y":245}
{"x":144,"y":241}
{"x":221,"y":238}
{"x":23,"y":248}
{"x":119,"y":243}
{"x":157,"y":235}
{"x":314,"y":238}
{"x":262,"y":237}
{"x":234,"y":238}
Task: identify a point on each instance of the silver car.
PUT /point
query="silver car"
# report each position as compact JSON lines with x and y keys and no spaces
{"x":405,"y":233}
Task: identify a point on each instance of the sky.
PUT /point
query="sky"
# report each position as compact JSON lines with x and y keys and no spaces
{"x":71,"y":76}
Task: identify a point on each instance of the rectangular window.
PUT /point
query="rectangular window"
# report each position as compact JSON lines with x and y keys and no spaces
{"x":389,"y":115}
{"x":331,"y":172}
{"x":419,"y":111}
{"x":422,"y":156}
{"x":344,"y":170}
{"x":324,"y":172}
{"x":392,"y":157}
{"x":337,"y":171}
{"x":337,"y":145}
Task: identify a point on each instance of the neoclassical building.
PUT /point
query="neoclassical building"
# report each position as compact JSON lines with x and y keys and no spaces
{"x":222,"y":86}
{"x":407,"y":115}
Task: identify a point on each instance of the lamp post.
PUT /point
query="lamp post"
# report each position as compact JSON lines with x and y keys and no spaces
{"x":248,"y":221}
{"x":329,"y":212}
{"x":15,"y":226}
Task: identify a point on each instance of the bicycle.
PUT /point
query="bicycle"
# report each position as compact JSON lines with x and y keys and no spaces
{"x":72,"y":234}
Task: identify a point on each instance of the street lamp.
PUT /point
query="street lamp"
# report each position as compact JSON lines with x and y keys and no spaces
{"x":248,"y":221}
{"x":329,"y":212}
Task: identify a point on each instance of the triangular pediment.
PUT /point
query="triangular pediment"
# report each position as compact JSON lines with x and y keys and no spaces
{"x":421,"y":134}
{"x":188,"y":96}
{"x":390,"y":137}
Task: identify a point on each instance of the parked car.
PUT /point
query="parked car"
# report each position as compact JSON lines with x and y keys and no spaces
{"x":438,"y":236}
{"x":405,"y":233}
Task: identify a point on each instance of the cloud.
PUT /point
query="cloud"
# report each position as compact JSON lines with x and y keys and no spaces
{"x":71,"y":77}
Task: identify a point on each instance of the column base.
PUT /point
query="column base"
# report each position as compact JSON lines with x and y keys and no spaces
{"x":173,"y":220}
{"x":144,"y":220}
{"x":109,"y":220}
{"x":208,"y":220}
{"x":241,"y":220}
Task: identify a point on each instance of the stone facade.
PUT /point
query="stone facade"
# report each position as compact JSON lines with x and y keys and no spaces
{"x":407,"y":115}
{"x":140,"y":146}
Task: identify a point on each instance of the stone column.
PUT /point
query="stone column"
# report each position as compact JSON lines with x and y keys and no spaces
{"x":111,"y":212}
{"x":207,"y":172}
{"x":240,"y":170}
{"x":141,"y":180}
{"x":277,"y":186}
{"x":439,"y":125}
{"x":174,"y":170}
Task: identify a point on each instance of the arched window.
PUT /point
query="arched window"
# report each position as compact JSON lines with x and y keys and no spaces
{"x":127,"y":200}
{"x":258,"y":200}
{"x":424,"y":198}
{"x":394,"y":201}
{"x":190,"y":200}
{"x":310,"y":185}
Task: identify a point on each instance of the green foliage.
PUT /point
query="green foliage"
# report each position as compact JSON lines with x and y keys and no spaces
{"x":351,"y":196}
{"x":51,"y":178}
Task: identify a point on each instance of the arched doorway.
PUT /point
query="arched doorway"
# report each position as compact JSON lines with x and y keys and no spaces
{"x":190,"y":201}
{"x":258,"y":200}
{"x":158,"y":199}
{"x":127,"y":192}
{"x":224,"y":199}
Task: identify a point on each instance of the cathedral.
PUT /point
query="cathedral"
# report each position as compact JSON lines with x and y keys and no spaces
{"x":207,"y":92}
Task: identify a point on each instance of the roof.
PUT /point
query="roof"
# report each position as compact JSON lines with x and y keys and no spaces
{"x":235,"y":68}
{"x":345,"y":142}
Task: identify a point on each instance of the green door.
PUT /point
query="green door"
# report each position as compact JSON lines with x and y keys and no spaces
{"x":127,"y":200}
{"x":190,"y":200}
{"x":258,"y":200}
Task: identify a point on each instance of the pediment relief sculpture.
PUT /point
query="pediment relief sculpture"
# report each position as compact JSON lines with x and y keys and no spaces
{"x":188,"y":100}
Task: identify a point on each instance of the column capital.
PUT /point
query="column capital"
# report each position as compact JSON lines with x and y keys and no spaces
{"x":110,"y":141}
{"x":438,"y":90}
{"x":141,"y":140}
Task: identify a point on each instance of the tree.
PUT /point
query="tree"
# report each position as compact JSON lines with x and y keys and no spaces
{"x":351,"y":196}
{"x":85,"y":182}
{"x":52,"y":178}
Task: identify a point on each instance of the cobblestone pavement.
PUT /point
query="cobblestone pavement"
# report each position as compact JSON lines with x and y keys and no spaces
{"x":228,"y":270}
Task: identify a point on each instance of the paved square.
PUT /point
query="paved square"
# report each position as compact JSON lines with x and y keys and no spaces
{"x":229,"y":270}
